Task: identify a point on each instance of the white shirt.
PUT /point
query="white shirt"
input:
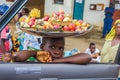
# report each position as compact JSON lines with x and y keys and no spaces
{"x":89,"y":52}
{"x":96,"y":51}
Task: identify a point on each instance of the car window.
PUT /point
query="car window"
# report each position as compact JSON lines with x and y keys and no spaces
{"x":9,"y":8}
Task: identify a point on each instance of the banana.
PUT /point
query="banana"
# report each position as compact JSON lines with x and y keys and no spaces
{"x":35,"y":13}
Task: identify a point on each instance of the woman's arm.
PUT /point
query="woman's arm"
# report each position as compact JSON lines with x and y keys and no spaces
{"x":80,"y":58}
{"x":22,"y":56}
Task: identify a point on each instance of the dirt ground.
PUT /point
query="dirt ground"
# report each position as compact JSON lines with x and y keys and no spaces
{"x":82,"y":42}
{"x":78,"y":42}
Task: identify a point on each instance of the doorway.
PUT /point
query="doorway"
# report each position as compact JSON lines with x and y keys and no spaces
{"x":78,"y":9}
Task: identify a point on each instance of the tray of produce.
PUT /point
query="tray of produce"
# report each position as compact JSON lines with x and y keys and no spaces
{"x":56,"y":30}
{"x":55,"y":26}
{"x":50,"y":34}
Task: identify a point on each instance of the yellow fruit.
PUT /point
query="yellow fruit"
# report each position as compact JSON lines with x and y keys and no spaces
{"x":35,"y":13}
{"x":84,"y":24}
{"x":27,"y":20}
{"x":88,"y":25}
{"x":22,"y":19}
{"x":78,"y":24}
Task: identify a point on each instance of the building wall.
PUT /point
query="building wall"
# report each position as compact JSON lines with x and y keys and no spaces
{"x":92,"y":16}
{"x":116,"y":15}
{"x":50,"y":7}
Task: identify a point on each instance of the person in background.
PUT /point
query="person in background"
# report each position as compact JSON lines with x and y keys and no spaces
{"x":94,"y":52}
{"x":5,"y":41}
{"x":109,"y":50}
{"x":8,"y":43}
{"x":111,"y":45}
{"x":52,"y":50}
{"x":109,"y":11}
{"x":5,"y":36}
{"x":23,"y":14}
{"x":27,"y":41}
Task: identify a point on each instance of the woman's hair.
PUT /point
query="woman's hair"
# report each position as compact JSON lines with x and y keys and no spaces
{"x":52,"y":40}
{"x":117,"y":22}
{"x":26,"y":10}
{"x":112,"y":32}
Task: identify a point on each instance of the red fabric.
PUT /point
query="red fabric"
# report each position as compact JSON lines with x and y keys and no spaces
{"x":4,"y":36}
{"x":7,"y":45}
{"x":4,"y":32}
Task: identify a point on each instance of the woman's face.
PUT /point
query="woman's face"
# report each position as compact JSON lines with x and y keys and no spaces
{"x":117,"y":29}
{"x":23,"y":12}
{"x":56,"y":49}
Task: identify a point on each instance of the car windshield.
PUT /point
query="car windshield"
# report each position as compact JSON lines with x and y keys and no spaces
{"x":58,"y":20}
{"x":45,"y":39}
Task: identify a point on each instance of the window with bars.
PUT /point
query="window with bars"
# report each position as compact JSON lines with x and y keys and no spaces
{"x":58,"y":1}
{"x":10,"y":0}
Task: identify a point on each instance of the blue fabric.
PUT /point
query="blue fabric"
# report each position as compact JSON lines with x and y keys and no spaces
{"x":67,"y":53}
{"x":70,"y":53}
{"x":108,"y":20}
{"x":110,"y":10}
{"x":3,"y":9}
{"x":27,"y":40}
{"x":107,"y":25}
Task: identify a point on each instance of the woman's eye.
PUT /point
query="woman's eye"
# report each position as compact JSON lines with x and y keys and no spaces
{"x":53,"y":47}
{"x":61,"y":49}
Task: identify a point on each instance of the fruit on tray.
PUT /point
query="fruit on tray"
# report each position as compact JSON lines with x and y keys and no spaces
{"x":61,"y":11}
{"x":60,"y":18}
{"x":40,"y":24}
{"x":76,"y":25}
{"x":48,"y":27}
{"x":22,"y":19}
{"x":46,"y":18}
{"x":57,"y":22}
{"x":35,"y":13}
